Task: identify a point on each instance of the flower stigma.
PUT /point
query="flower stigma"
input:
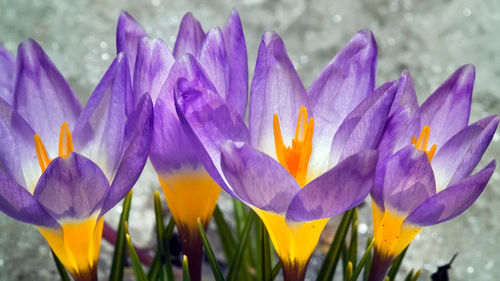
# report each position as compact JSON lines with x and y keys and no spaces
{"x":295,"y":158}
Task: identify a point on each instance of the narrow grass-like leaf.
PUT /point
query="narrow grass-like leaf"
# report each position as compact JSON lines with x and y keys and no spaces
{"x":266,"y":255}
{"x":239,"y":216}
{"x":60,"y":268}
{"x":368,"y":262}
{"x":226,"y":238}
{"x":345,"y":258}
{"x":210,"y":253}
{"x":119,"y":253}
{"x":417,"y":274}
{"x":276,"y":270}
{"x":353,"y":245}
{"x":185,"y":269}
{"x":136,"y":263}
{"x":362,"y":262}
{"x":155,"y":266}
{"x":348,"y":271}
{"x":237,"y":259}
{"x":165,"y":275}
{"x":327,"y":269}
{"x":409,"y":276}
{"x":395,"y":265}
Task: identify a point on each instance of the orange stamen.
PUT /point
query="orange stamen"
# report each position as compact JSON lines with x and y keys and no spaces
{"x":65,"y":141}
{"x":422,"y":141}
{"x":295,"y":158}
{"x":41,"y":153}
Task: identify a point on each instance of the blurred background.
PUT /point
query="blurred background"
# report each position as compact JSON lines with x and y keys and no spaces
{"x":430,"y":38}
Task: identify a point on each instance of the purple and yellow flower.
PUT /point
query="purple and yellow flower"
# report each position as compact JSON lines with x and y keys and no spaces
{"x":64,"y":183}
{"x":307,"y":154}
{"x":427,"y":155}
{"x":217,"y":57}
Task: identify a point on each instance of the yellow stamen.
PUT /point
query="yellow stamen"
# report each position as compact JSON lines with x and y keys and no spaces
{"x":295,"y":158}
{"x":41,"y":153}
{"x":65,"y":141}
{"x":76,"y":244}
{"x":294,"y":243}
{"x":422,"y":141}
{"x":391,"y":234}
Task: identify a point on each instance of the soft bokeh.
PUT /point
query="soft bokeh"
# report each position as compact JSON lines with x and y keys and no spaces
{"x":431,"y":38}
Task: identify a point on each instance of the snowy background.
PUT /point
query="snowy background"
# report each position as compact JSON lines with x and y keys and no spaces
{"x":431,"y":38}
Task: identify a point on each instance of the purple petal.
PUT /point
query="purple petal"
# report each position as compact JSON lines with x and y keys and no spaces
{"x":190,"y":37}
{"x":171,"y":148}
{"x":213,"y":58}
{"x":460,"y":154}
{"x":256,"y":178}
{"x":42,"y":96}
{"x":72,"y":188}
{"x":209,"y":122}
{"x":17,"y":148}
{"x":154,"y":61}
{"x":137,"y":143}
{"x":396,"y":125}
{"x":128,"y":34}
{"x":19,"y":204}
{"x":447,"y":110}
{"x":276,"y":88}
{"x":342,"y":85}
{"x":363,"y":127}
{"x":7,"y":68}
{"x":405,"y":95}
{"x":405,"y":181}
{"x":99,"y":131}
{"x":336,"y":191}
{"x":238,"y":63}
{"x":452,"y":201}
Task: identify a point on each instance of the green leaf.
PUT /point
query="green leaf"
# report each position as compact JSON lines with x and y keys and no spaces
{"x":136,"y":263}
{"x":185,"y":269}
{"x":409,"y":276}
{"x":210,"y":253}
{"x":348,"y":271}
{"x":417,"y":274}
{"x":155,"y":266}
{"x":345,"y":258}
{"x":119,"y":253}
{"x":395,"y":265}
{"x":164,"y":257}
{"x":362,"y":262}
{"x":60,"y":268}
{"x":240,"y":216}
{"x":226,"y":238}
{"x":368,"y":262}
{"x":237,"y":259}
{"x":276,"y":270}
{"x":266,"y":255}
{"x":353,"y":245}
{"x":327,"y":269}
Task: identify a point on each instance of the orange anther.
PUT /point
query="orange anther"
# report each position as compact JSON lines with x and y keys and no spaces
{"x":423,"y":140}
{"x":65,"y":141}
{"x":295,"y":158}
{"x":41,"y":153}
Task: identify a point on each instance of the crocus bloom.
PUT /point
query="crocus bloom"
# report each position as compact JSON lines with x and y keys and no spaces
{"x":427,"y":155}
{"x":219,"y":56}
{"x":64,"y":183}
{"x":306,"y":154}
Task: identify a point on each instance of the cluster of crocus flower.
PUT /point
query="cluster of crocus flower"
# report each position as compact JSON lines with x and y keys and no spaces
{"x":64,"y":167}
{"x":305,"y":156}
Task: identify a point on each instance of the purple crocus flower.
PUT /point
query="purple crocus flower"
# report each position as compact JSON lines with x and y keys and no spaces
{"x":217,"y":57}
{"x":60,"y":182}
{"x":307,"y":154}
{"x":427,"y":155}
